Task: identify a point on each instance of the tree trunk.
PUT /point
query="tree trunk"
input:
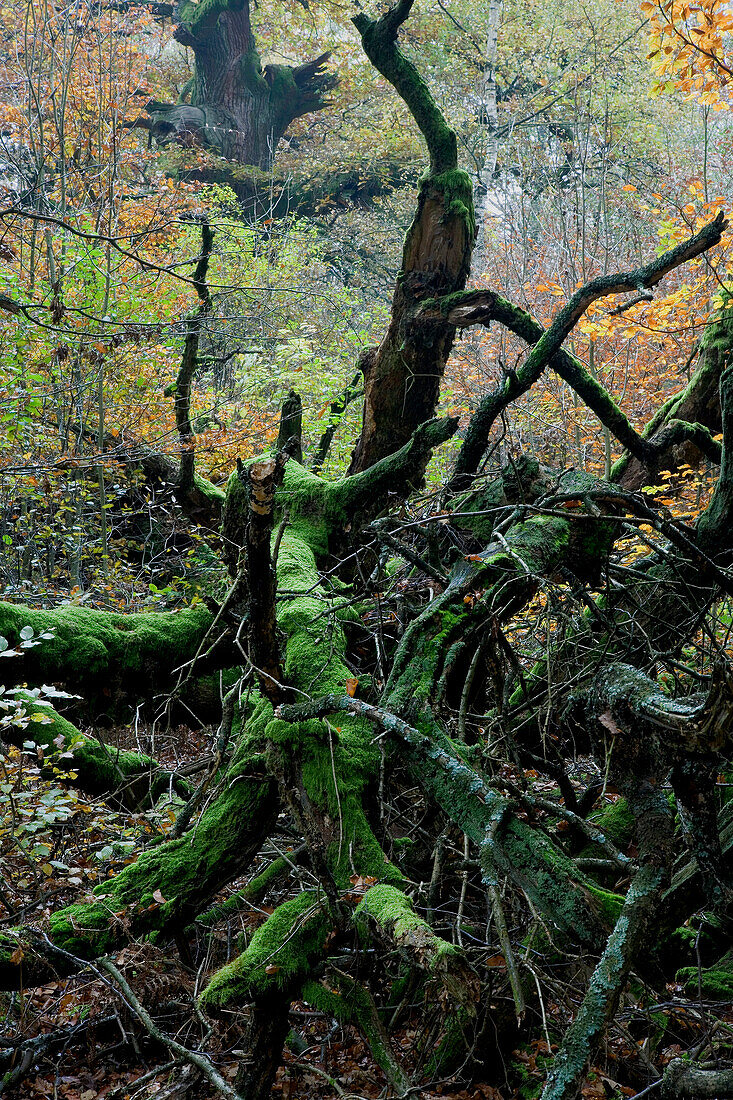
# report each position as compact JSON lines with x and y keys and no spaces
{"x":237,"y":108}
{"x":402,"y":376}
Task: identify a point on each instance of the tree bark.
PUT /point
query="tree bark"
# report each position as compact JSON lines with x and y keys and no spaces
{"x":237,"y":108}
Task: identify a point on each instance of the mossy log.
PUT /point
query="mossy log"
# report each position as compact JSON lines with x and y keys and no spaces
{"x":102,"y":655}
{"x":91,"y":765}
{"x":336,"y":767}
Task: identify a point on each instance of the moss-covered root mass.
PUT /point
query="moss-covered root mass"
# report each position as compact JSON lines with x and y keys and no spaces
{"x":279,"y":963}
{"x":391,"y":913}
{"x":507,"y":845}
{"x":87,"y":762}
{"x":102,"y":654}
{"x":507,"y":574}
{"x":495,"y":584}
{"x":337,"y":763}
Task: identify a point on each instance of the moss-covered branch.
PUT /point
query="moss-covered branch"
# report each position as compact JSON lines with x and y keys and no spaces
{"x":98,"y":769}
{"x":379,"y":38}
{"x":400,"y":473}
{"x":481,"y":307}
{"x":252,"y":894}
{"x":279,"y":957}
{"x":166,"y":887}
{"x":392,"y":914}
{"x":101,"y":654}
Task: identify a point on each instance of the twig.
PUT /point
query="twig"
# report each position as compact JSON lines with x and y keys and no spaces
{"x":200,"y":1061}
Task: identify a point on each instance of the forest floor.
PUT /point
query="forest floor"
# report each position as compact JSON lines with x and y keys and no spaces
{"x":58,"y":842}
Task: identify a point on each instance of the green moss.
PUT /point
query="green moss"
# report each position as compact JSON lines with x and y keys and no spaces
{"x":616,"y":820}
{"x":252,"y":894}
{"x":208,"y":490}
{"x":528,"y":1075}
{"x":457,"y":190}
{"x":312,"y":505}
{"x":339,"y":761}
{"x":280,"y":955}
{"x":454,"y":1045}
{"x":715,"y":982}
{"x":607,"y":904}
{"x":201,"y":17}
{"x":96,"y":652}
{"x":349,"y":1002}
{"x":282,"y":84}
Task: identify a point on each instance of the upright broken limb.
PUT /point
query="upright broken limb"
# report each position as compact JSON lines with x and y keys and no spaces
{"x":402,"y":376}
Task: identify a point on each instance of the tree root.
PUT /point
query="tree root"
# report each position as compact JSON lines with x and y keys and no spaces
{"x":135,"y":779}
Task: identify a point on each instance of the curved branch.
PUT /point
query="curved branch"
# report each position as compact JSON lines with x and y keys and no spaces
{"x":379,"y":38}
{"x":483,"y":306}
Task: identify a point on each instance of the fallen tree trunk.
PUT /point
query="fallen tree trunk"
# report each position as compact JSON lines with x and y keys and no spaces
{"x":104,"y":655}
